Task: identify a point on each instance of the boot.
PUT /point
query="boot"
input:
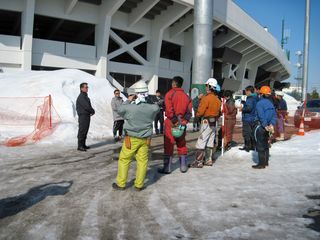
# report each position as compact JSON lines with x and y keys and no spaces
{"x":116,"y":187}
{"x":267,"y":157}
{"x":262,"y":161}
{"x":198,"y":162}
{"x":167,"y":162}
{"x":209,"y":157}
{"x":81,"y":146}
{"x":183,"y":163}
{"x":246,"y":146}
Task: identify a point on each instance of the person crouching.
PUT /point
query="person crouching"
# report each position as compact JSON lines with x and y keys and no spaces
{"x":209,"y":109}
{"x":138,"y":128}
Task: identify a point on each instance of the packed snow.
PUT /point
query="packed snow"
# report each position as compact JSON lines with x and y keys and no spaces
{"x":227,"y":201}
{"x":63,"y":85}
{"x":292,"y":104}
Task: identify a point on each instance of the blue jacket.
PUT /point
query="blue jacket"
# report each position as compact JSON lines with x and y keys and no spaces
{"x":249,"y":108}
{"x":266,"y":112}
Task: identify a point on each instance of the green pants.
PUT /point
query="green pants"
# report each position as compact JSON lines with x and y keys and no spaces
{"x":140,"y":148}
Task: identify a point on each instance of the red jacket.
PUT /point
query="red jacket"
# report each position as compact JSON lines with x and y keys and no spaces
{"x":177,"y":103}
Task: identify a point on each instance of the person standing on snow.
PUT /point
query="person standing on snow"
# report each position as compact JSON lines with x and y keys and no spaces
{"x":139,"y":117}
{"x":248,"y":117}
{"x":282,"y":113}
{"x":118,"y":121}
{"x":209,"y":110}
{"x":160,"y":116}
{"x":84,"y":111}
{"x":178,"y":112}
{"x":230,"y":117}
{"x":265,"y":121}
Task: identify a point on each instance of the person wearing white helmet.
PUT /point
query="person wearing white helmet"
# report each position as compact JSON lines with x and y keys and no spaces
{"x":209,"y":110}
{"x":282,"y":114}
{"x":138,"y":128}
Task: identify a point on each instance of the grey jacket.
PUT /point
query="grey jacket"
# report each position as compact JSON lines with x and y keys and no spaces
{"x":138,"y":119}
{"x":116,"y":102}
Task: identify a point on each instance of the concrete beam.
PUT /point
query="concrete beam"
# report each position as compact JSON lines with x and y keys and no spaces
{"x":170,"y":16}
{"x":258,"y":58}
{"x":222,"y":39}
{"x":69,"y":6}
{"x":216,"y":25}
{"x":270,"y":64}
{"x":181,"y":26}
{"x":253,"y":55}
{"x":277,"y":69}
{"x":249,"y":49}
{"x":235,"y":41}
{"x":263,"y":60}
{"x":138,"y":12}
{"x":242,"y":46}
{"x":109,"y":7}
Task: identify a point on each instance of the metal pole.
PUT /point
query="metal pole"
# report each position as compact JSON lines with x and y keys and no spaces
{"x":306,"y":51}
{"x":202,"y":43}
{"x":282,"y":34}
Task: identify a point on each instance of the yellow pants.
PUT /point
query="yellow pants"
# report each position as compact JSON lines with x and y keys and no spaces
{"x":140,"y":148}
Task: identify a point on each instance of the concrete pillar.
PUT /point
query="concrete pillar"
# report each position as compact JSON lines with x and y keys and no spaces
{"x":27,"y":34}
{"x":102,"y":42}
{"x":202,"y":35}
{"x":186,"y":57}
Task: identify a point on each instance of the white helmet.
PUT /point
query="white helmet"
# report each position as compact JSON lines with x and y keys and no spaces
{"x":279,"y":93}
{"x":140,"y":87}
{"x":212,"y":82}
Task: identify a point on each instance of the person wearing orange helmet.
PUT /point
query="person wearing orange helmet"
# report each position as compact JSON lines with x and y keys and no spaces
{"x":265,"y":120}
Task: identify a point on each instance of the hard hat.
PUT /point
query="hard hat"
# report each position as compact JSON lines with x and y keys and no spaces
{"x":212,"y":82}
{"x":265,"y":90}
{"x":177,"y":132}
{"x":140,"y":87}
{"x":238,"y":103}
{"x":279,"y":93}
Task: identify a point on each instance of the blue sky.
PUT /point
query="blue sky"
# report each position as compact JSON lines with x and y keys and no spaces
{"x":271,"y":12}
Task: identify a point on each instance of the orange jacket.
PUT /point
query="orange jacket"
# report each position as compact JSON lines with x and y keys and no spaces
{"x":209,"y":106}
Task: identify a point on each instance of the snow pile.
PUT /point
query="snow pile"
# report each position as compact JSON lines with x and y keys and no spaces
{"x":63,"y":85}
{"x":292,"y":104}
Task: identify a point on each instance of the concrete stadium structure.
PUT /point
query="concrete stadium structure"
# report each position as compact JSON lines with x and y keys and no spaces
{"x":125,"y":40}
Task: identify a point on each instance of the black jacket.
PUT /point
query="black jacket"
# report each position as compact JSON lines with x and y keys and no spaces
{"x":83,"y":105}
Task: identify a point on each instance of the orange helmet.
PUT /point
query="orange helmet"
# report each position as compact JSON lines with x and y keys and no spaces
{"x":265,"y":90}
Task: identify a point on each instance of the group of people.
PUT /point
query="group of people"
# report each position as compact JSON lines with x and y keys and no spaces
{"x":134,"y":118}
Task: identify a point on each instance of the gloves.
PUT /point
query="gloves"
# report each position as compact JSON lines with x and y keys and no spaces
{"x":270,"y":129}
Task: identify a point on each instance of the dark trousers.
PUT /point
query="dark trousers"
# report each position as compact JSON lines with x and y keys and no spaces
{"x":159,"y":118}
{"x":196,"y":123}
{"x":84,"y":124}
{"x":262,"y":144}
{"x":247,"y":133}
{"x":118,"y":127}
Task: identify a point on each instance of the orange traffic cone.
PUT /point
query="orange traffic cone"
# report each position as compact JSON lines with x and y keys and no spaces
{"x":301,"y":128}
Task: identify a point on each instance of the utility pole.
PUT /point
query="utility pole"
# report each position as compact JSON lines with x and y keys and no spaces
{"x":299,"y":77}
{"x":306,"y":51}
{"x":202,"y":45}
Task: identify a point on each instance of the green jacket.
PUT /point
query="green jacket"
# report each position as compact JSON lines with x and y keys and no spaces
{"x":138,"y":118}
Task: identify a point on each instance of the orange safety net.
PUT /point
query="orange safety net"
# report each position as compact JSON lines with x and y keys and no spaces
{"x":37,"y":115}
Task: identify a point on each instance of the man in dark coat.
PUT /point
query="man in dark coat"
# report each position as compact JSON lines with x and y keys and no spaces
{"x":248,"y":118}
{"x":84,"y":111}
{"x":160,"y":116}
